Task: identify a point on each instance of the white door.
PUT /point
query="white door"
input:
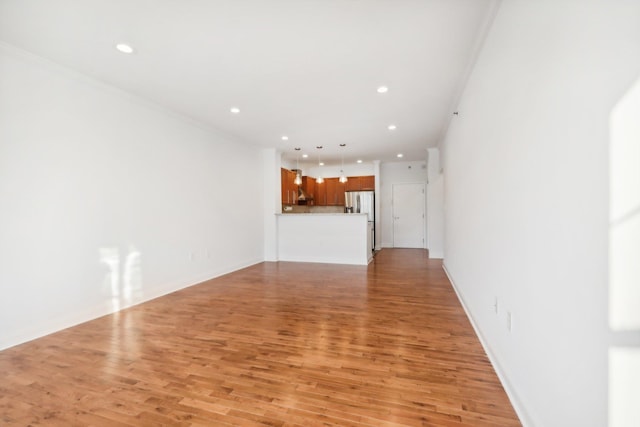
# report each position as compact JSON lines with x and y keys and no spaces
{"x":408,"y":215}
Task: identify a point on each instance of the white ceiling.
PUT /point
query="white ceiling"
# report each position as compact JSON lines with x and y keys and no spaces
{"x":307,"y":69}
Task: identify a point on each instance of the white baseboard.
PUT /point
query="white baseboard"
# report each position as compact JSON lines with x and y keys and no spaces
{"x":511,"y":394}
{"x":327,"y":260}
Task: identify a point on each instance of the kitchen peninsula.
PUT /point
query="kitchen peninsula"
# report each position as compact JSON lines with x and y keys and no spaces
{"x":314,"y":225}
{"x":337,"y":238}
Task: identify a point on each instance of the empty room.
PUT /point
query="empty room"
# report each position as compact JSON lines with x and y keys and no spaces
{"x":320,"y":213}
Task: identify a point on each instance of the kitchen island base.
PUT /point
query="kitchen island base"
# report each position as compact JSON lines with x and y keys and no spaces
{"x":326,"y":238}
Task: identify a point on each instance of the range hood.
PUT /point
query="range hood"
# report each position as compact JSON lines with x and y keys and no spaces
{"x":303,"y":196}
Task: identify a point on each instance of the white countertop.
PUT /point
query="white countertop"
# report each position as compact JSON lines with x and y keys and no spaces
{"x":320,"y":214}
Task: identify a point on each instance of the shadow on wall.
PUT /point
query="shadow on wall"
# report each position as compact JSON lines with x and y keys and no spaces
{"x":123,"y":281}
{"x":624,"y":260}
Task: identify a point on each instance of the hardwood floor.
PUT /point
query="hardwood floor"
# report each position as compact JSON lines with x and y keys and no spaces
{"x":277,"y":344}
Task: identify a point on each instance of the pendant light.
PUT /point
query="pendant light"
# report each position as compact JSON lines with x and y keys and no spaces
{"x":298,"y":178}
{"x":320,"y":179}
{"x":342,"y":178}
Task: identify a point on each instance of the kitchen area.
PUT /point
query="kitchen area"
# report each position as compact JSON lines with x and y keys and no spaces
{"x":330,"y":220}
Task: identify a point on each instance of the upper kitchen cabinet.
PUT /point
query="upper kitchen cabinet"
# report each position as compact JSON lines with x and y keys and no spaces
{"x":320,"y":194}
{"x":353,"y":183}
{"x":335,"y":192}
{"x":341,"y":190}
{"x":311,"y":187}
{"x":360,"y":183}
{"x":367,"y":182}
{"x":289,"y":190}
{"x":309,"y":190}
{"x":283,"y":185}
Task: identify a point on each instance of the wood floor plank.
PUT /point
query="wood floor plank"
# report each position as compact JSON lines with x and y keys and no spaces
{"x":275,"y":344}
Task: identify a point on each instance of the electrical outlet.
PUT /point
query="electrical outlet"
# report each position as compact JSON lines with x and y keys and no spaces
{"x":509,"y":322}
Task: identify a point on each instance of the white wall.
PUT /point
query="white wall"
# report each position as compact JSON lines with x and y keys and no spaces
{"x":396,"y":173}
{"x":526,"y":198}
{"x":108,"y":201}
{"x":435,"y":205}
{"x":272,"y":194}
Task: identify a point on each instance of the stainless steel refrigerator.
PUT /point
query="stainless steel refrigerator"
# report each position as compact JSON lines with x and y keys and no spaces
{"x":362,"y":202}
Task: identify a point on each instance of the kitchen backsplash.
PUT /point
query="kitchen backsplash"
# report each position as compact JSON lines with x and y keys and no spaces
{"x":315,"y":209}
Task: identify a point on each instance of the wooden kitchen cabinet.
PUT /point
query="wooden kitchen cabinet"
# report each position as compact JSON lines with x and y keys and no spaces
{"x":309,"y":186}
{"x":320,"y":194}
{"x":283,"y":185}
{"x":340,"y":190}
{"x":289,"y":190}
{"x":293,"y":188}
{"x":360,"y":183}
{"x":367,"y":182}
{"x":353,"y":183}
{"x":335,"y":192}
{"x":331,"y":190}
{"x":329,"y":193}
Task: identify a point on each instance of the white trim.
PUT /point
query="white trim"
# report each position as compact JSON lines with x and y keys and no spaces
{"x":511,"y":394}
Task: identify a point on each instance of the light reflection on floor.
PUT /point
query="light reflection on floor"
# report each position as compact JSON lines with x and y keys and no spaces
{"x":123,"y":284}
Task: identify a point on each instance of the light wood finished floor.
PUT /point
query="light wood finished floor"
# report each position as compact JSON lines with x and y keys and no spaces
{"x":276,"y":344}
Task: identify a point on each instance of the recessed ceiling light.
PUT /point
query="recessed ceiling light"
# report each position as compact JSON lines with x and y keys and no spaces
{"x":234,"y":110}
{"x":391,"y":127}
{"x":285,"y":138}
{"x":124,"y":48}
{"x":321,"y":163}
{"x":400,"y":155}
{"x":304,"y":156}
{"x":359,"y":161}
{"x":383,"y":89}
